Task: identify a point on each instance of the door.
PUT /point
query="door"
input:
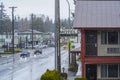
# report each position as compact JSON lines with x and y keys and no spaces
{"x":91,"y":43}
{"x":91,"y":72}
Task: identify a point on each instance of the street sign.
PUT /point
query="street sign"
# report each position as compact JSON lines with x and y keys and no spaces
{"x":69,"y":46}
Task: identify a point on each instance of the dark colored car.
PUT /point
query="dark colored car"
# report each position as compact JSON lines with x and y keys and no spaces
{"x":4,"y":46}
{"x":25,"y":54}
{"x":38,"y":50}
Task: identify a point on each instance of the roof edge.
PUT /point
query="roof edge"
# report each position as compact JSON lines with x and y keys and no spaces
{"x":98,"y":0}
{"x":118,"y":28}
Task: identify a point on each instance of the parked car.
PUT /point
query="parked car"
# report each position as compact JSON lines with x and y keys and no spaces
{"x":4,"y":46}
{"x":44,"y":45}
{"x":28,"y":46}
{"x":52,"y":44}
{"x":1,"y":51}
{"x":40,"y":45}
{"x":25,"y":54}
{"x":10,"y":46}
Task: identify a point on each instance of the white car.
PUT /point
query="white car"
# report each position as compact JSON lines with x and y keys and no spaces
{"x":44,"y":45}
{"x":38,"y":45}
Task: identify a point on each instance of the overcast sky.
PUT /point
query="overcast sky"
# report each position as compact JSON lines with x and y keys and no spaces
{"x":46,"y":7}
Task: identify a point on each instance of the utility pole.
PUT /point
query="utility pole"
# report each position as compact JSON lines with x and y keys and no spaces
{"x":1,"y":17}
{"x":32,"y":28}
{"x":57,"y":37}
{"x":13,"y":51}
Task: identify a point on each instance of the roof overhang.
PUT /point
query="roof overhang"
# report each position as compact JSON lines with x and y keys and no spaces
{"x":76,"y":50}
{"x":98,"y":28}
{"x":97,"y":14}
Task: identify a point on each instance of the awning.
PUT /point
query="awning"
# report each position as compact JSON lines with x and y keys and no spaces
{"x":76,"y":50}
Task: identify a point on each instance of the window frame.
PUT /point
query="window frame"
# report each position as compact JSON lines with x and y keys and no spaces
{"x":111,"y":36}
{"x":107,"y":69}
{"x":113,"y":73}
{"x":105,"y":36}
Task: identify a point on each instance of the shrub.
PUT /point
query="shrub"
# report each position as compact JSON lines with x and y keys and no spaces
{"x":7,"y":52}
{"x":73,"y":68}
{"x":10,"y":51}
{"x":64,"y":75}
{"x":51,"y":75}
{"x":18,"y":50}
{"x":78,"y":59}
{"x":80,"y":79}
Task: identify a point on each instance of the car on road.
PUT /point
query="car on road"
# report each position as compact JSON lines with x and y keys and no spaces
{"x":24,"y":54}
{"x":38,"y":50}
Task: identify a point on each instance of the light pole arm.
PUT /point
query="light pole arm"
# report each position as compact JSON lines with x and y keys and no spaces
{"x":69,"y":33}
{"x":69,"y":11}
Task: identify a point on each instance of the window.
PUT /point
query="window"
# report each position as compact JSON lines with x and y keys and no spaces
{"x":103,"y":70}
{"x":110,"y":37}
{"x":119,"y":70}
{"x":103,"y":37}
{"x":113,"y":37}
{"x":110,"y":71}
{"x":113,"y":50}
{"x":113,"y":70}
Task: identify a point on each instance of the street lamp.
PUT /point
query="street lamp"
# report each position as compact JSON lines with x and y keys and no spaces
{"x":68,"y":12}
{"x":69,"y":33}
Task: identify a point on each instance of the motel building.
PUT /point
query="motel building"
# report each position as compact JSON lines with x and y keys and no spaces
{"x":99,"y":24}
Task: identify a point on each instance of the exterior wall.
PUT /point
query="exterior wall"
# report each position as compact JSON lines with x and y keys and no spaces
{"x":83,"y":52}
{"x":98,"y":72}
{"x":108,"y":79}
{"x":105,"y":78}
{"x":102,"y":56}
{"x":102,"y":48}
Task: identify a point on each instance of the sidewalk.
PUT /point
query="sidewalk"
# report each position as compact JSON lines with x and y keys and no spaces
{"x":71,"y":75}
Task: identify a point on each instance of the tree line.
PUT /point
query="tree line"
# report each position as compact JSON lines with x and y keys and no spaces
{"x":42,"y":23}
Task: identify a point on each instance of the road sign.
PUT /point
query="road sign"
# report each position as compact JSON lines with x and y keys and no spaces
{"x":69,"y":46}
